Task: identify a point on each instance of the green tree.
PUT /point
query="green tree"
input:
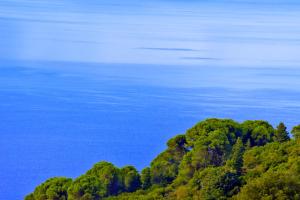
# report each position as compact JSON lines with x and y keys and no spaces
{"x":109,"y":176}
{"x":52,"y":189}
{"x":281,"y":134}
{"x":164,"y":168}
{"x":273,"y":185}
{"x":131,"y":179}
{"x":203,"y":128}
{"x":210,"y":144}
{"x":236,"y":159}
{"x":296,"y":132}
{"x":146,"y":178}
{"x":214,"y":183}
{"x":258,"y":132}
{"x":87,"y":187}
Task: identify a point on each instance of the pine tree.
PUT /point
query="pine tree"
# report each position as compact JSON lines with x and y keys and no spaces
{"x":281,"y":134}
{"x":236,"y":160}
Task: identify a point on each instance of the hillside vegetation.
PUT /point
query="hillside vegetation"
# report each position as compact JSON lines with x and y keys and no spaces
{"x":215,"y":159}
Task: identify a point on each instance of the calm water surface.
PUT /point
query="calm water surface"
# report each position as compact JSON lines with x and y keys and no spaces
{"x":85,"y":81}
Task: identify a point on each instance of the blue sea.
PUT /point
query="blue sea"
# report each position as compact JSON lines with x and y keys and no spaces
{"x":86,"y":81}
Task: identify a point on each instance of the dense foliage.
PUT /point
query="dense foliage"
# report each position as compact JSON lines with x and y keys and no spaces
{"x":215,"y":159}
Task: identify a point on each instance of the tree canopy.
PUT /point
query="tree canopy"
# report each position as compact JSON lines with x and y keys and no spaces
{"x":215,"y":159}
